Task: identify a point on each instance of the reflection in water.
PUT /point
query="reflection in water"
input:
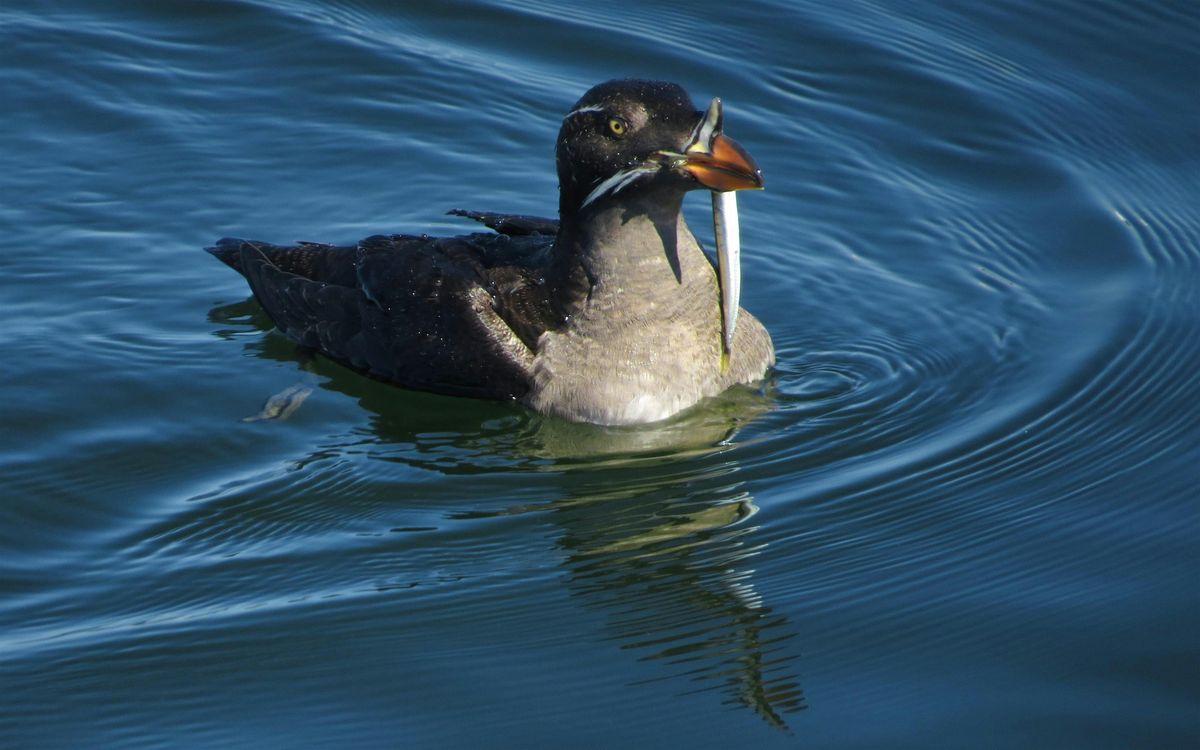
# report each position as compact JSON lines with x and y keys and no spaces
{"x":656,"y":531}
{"x":675,"y":576}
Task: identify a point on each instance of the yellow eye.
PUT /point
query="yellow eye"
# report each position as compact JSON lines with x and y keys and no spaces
{"x":617,"y":126}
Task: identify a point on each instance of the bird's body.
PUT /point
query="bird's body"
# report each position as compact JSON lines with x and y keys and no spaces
{"x":611,"y":315}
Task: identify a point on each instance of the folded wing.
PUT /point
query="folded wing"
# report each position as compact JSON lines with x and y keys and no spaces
{"x":455,"y":315}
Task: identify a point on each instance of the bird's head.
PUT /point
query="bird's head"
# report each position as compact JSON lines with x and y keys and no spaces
{"x":626,"y":136}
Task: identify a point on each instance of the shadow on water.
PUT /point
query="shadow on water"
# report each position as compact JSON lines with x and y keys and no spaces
{"x":656,"y":529}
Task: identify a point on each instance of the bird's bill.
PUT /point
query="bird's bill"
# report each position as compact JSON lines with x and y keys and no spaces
{"x":715,"y":160}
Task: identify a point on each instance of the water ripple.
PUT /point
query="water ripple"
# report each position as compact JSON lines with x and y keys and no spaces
{"x":970,"y":475}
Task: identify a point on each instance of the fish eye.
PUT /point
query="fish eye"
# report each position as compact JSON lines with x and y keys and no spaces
{"x":617,"y":126}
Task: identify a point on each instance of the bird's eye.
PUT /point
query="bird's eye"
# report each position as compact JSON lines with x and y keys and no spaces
{"x":617,"y":126}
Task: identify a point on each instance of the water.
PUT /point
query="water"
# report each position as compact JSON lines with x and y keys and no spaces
{"x":963,"y":514}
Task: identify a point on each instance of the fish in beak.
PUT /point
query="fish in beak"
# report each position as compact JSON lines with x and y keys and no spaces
{"x":718,"y":163}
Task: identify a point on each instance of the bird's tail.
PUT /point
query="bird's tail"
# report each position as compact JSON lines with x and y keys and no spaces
{"x":228,"y":250}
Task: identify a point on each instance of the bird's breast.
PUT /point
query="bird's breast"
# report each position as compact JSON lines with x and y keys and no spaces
{"x":625,"y":371}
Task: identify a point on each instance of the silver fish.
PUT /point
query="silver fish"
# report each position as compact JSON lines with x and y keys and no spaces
{"x":729,"y":260}
{"x":282,"y":405}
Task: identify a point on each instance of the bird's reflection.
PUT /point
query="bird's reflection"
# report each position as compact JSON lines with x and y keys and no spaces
{"x":656,"y":529}
{"x":670,"y":563}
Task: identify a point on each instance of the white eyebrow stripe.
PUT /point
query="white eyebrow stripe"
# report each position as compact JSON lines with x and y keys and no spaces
{"x":618,"y":182}
{"x":581,"y":110}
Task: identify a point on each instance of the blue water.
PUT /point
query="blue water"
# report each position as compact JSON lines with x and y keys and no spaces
{"x":963,"y":513}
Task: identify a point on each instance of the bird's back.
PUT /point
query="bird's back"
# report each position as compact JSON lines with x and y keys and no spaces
{"x":455,"y":315}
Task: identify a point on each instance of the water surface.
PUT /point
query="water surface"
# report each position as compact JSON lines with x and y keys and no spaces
{"x":961,"y":513}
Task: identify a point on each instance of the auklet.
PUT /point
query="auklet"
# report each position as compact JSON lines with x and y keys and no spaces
{"x":610,"y":315}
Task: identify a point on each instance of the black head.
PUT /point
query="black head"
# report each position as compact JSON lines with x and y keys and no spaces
{"x":627,"y":135}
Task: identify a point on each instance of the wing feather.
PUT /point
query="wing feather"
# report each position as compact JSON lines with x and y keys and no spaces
{"x":423,"y":313}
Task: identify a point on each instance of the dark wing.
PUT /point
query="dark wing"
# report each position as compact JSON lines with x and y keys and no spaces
{"x":328,"y":263}
{"x":421,"y":312}
{"x":511,"y":224}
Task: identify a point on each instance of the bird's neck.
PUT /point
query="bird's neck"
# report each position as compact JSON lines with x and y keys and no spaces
{"x":634,"y":252}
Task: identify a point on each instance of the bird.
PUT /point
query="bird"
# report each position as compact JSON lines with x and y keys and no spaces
{"x":611,"y":314}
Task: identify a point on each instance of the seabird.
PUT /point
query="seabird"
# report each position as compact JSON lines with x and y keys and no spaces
{"x":612,"y":315}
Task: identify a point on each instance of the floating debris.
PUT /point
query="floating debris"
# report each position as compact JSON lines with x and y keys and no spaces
{"x":282,"y":405}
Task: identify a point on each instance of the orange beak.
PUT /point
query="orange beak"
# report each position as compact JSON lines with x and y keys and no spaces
{"x":716,"y":160}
